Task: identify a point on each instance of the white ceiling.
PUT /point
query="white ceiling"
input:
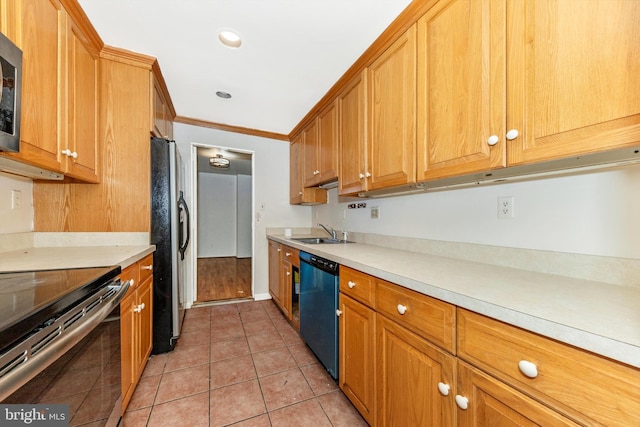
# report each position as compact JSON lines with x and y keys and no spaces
{"x":292,"y":51}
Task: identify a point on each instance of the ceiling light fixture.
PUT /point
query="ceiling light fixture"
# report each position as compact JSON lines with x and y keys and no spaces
{"x":219,"y":162}
{"x":230,"y":39}
{"x":223,"y":95}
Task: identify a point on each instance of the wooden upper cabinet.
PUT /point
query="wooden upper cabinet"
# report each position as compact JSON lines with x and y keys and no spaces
{"x":391,"y":109}
{"x":162,"y":120}
{"x":328,"y":144}
{"x":82,"y":107}
{"x":310,"y":167}
{"x":461,"y":88}
{"x":351,"y":106}
{"x":573,"y":85}
{"x":298,"y":194}
{"x":59,"y":129}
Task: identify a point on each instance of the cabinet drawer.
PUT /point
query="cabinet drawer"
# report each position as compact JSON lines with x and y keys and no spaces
{"x":146,"y":267}
{"x":131,"y":273}
{"x":588,"y":388}
{"x":428,"y":317}
{"x":358,"y":285}
{"x":292,"y":255}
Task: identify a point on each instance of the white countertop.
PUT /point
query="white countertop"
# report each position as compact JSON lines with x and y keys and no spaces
{"x":594,"y":316}
{"x":44,"y":258}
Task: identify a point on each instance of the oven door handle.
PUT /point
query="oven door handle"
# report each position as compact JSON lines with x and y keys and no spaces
{"x":39,"y":350}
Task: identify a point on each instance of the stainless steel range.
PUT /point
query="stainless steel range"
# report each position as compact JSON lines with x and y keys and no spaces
{"x":44,"y":315}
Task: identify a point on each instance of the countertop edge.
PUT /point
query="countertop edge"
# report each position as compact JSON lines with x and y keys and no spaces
{"x":605,"y":346}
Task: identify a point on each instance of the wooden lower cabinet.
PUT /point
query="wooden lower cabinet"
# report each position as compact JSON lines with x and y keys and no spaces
{"x":490,"y":402}
{"x":283,"y":262}
{"x":409,"y":370}
{"x":274,"y":270}
{"x":136,"y":327}
{"x":357,"y":355}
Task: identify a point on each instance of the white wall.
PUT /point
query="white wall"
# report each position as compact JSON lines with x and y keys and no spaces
{"x":244,"y":228}
{"x":15,"y":220}
{"x":595,"y":214}
{"x":270,"y":184}
{"x":217,"y":215}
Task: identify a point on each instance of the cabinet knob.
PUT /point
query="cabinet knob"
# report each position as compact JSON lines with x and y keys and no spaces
{"x":351,"y":284}
{"x":147,"y":267}
{"x":462,"y":402}
{"x":361,"y":176}
{"x":138,"y":308}
{"x":493,"y":140}
{"x":367,"y":174}
{"x":279,"y":250}
{"x":529,"y":369}
{"x":287,"y":254}
{"x":74,"y":155}
{"x":512,"y":134}
{"x":444,"y":388}
{"x":288,"y":273}
{"x":338,"y":313}
{"x":300,"y":193}
{"x":402,"y":309}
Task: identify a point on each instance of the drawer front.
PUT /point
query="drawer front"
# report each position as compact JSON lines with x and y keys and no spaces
{"x":292,"y":255}
{"x":358,"y":285}
{"x":146,"y":267}
{"x":428,"y":317}
{"x":588,"y":388}
{"x":131,"y":273}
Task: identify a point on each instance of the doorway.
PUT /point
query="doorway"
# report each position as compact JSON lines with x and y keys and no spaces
{"x":224,"y":261}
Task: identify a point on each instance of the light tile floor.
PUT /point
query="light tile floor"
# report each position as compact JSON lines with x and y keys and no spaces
{"x":242,"y":365}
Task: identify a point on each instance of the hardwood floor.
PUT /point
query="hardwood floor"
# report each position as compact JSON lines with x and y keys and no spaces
{"x":223,"y":279}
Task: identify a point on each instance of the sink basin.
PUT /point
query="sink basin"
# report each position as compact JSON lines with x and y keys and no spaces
{"x":319,"y":240}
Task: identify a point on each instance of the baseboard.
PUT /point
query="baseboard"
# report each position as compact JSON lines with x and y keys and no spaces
{"x":261,"y":297}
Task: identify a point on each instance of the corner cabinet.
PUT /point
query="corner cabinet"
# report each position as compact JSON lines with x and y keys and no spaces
{"x":60,"y":98}
{"x":136,"y":325}
{"x":298,"y":193}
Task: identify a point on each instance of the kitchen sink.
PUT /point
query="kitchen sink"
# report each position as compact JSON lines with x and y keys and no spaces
{"x":319,"y":240}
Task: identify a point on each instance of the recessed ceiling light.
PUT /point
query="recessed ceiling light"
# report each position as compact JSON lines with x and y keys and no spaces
{"x":229,"y":38}
{"x":224,"y":95}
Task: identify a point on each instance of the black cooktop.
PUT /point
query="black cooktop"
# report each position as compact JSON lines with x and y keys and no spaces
{"x":29,"y":299}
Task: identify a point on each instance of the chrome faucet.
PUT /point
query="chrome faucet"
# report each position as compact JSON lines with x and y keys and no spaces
{"x":331,"y":231}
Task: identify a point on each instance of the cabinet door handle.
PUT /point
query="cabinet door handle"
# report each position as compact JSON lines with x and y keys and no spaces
{"x":147,"y":267}
{"x":137,"y":309}
{"x":512,"y":134}
{"x":402,"y":309}
{"x":351,"y":284}
{"x":361,"y":176}
{"x":74,"y":155}
{"x":529,"y":369}
{"x":287,"y":254}
{"x":367,"y":175}
{"x":338,"y":313}
{"x":493,"y":140}
{"x":279,"y":250}
{"x":288,"y":273}
{"x":444,"y":388}
{"x":462,"y":402}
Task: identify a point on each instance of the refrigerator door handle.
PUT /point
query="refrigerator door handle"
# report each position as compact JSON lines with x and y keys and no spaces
{"x":182,"y":205}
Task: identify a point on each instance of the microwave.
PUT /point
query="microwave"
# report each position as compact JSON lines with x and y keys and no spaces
{"x":11,"y":94}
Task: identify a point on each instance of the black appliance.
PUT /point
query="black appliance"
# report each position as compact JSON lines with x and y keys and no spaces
{"x":319,"y":289}
{"x":43,"y":314}
{"x":170,"y":233}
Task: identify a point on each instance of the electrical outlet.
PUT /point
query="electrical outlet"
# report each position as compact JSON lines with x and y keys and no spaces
{"x":506,"y":208}
{"x":375,"y":212}
{"x":16,"y":199}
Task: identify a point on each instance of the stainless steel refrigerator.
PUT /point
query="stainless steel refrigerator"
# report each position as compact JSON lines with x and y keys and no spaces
{"x":170,"y":234}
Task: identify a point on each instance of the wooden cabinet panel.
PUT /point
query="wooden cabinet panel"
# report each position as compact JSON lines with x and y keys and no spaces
{"x":358,"y":285}
{"x":145,"y":322}
{"x":82,"y":107}
{"x":572,"y":76}
{"x":461,"y":90}
{"x":351,"y":137}
{"x":286,"y":277}
{"x":298,"y":194}
{"x":492,"y":403}
{"x":391,"y":109}
{"x":357,"y":353}
{"x":127,"y":347}
{"x":162,"y":121}
{"x":310,"y":167}
{"x":328,"y":144}
{"x":431,"y":318}
{"x":602,"y":391}
{"x":408,"y":372}
{"x":275,"y":252}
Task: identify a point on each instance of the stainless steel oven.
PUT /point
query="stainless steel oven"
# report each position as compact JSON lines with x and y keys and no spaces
{"x":10,"y":94}
{"x":60,"y":340}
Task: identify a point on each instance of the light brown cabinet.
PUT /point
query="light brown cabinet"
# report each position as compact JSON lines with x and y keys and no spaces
{"x":162,"y":120}
{"x":298,"y":193}
{"x":490,"y":402}
{"x":136,"y":325}
{"x":351,"y":137}
{"x":357,"y":341}
{"x":59,"y":122}
{"x":284,"y":261}
{"x":504,"y":83}
{"x":321,"y":149}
